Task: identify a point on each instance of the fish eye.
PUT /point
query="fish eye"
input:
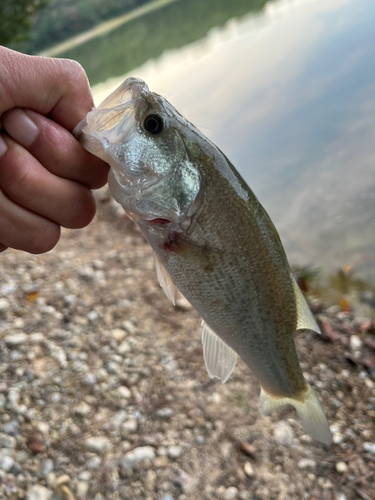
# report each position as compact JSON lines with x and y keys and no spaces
{"x":153,"y":124}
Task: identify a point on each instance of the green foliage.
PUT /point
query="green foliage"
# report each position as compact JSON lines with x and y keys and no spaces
{"x":66,"y":18}
{"x":16,"y":18}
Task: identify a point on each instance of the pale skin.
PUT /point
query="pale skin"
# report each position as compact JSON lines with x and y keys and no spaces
{"x":46,"y":176}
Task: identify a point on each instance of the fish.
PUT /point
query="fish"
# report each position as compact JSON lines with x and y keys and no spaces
{"x":213,"y":241}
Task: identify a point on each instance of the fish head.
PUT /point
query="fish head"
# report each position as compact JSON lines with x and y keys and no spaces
{"x":142,"y":137}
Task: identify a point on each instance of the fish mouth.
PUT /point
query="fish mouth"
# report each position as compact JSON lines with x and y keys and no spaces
{"x":111,"y":120}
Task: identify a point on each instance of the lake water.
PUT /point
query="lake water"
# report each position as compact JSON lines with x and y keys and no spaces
{"x":286,"y":89}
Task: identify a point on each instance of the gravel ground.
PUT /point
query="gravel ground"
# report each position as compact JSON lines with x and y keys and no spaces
{"x":104,"y":394}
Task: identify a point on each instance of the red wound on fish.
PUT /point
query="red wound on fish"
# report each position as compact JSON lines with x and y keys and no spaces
{"x":159,"y":222}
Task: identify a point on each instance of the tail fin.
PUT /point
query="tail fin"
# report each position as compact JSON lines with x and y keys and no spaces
{"x":310,"y":412}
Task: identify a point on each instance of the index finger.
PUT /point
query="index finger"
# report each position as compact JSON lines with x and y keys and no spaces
{"x":55,"y":87}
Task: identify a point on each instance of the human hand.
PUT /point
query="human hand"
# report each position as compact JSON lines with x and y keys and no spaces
{"x":46,"y":176}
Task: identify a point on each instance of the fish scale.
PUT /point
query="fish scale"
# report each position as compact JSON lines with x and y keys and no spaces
{"x":212,"y":240}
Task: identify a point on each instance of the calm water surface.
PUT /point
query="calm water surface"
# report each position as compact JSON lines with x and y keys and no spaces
{"x":287,"y":90}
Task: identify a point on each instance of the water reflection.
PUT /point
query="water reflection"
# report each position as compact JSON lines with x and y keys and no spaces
{"x":289,"y":96}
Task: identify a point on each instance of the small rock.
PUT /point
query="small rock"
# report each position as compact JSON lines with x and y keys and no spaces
{"x":4,"y":305}
{"x":38,"y":492}
{"x":15,"y":340}
{"x":11,"y":428}
{"x":248,"y":448}
{"x":89,"y":379}
{"x":94,"y":462}
{"x":16,"y":469}
{"x":46,"y":467}
{"x":307,"y":463}
{"x":133,"y":458}
{"x":97,"y":444}
{"x":7,"y":441}
{"x":370,"y":447}
{"x":118,"y":334}
{"x":36,"y":338}
{"x":82,"y":409}
{"x":165,"y":413}
{"x":283,"y":433}
{"x":82,"y":488}
{"x":174,"y":451}
{"x":63,"y":479}
{"x":340,"y":496}
{"x":129,"y":427}
{"x":123,"y":348}
{"x":124,"y":392}
{"x":230,"y":493}
{"x":43,"y":427}
{"x":167,"y":496}
{"x":355,"y":343}
{"x":6,"y":463}
{"x":248,"y":469}
{"x":161,"y":461}
{"x":341,"y":467}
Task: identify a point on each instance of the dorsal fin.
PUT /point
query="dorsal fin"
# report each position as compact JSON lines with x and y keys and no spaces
{"x":305,"y":318}
{"x":219,"y":358}
{"x":165,"y":280}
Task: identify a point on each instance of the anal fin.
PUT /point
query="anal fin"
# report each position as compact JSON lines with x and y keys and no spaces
{"x":219,"y":358}
{"x":305,"y":318}
{"x":165,"y":280}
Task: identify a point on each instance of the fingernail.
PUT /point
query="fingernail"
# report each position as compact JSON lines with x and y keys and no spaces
{"x":20,"y":127}
{"x":3,"y":146}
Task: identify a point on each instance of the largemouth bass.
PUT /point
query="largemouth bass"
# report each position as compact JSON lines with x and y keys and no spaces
{"x":212,"y":240}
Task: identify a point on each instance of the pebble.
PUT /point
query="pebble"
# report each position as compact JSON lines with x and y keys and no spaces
{"x":123,"y":348}
{"x":167,"y":496}
{"x":7,"y":441}
{"x":355,"y":343}
{"x":341,"y":467}
{"x":283,"y":433}
{"x":165,"y":413}
{"x":6,"y":463}
{"x":46,"y":467}
{"x":230,"y":493}
{"x":89,"y":379}
{"x":11,"y":428}
{"x":307,"y":463}
{"x":82,"y":488}
{"x":248,"y":469}
{"x":118,"y":334}
{"x":82,"y":409}
{"x":129,"y":427}
{"x":133,"y":458}
{"x":15,"y":340}
{"x":124,"y":392}
{"x":94,"y":462}
{"x":97,"y":444}
{"x":174,"y":451}
{"x":4,"y":305}
{"x":370,"y":447}
{"x":38,"y":492}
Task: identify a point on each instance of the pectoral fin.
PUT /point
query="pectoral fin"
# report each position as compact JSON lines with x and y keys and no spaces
{"x":219,"y":358}
{"x":165,"y":280}
{"x":305,"y":318}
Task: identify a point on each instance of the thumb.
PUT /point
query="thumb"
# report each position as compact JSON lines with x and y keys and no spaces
{"x":58,"y":87}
